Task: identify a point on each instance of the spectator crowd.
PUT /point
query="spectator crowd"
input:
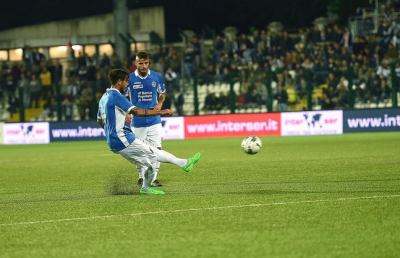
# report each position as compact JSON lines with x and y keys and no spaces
{"x":328,"y":58}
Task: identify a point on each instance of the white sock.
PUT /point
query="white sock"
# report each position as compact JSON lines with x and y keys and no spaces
{"x":148,"y":177}
{"x":141,"y":171}
{"x":155,"y":176}
{"x":142,"y":174}
{"x":156,"y":166}
{"x":166,"y":157}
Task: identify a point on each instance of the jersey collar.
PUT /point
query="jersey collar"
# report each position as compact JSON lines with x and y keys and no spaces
{"x":138,"y":75}
{"x":111,"y":88}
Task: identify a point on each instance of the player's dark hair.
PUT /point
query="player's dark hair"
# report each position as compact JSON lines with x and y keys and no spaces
{"x":142,"y":55}
{"x":117,"y":74}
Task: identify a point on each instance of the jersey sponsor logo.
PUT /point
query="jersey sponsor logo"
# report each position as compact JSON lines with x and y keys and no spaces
{"x":137,"y":85}
{"x":145,"y":96}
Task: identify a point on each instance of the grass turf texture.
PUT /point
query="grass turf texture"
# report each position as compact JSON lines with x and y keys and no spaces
{"x":85,"y":182}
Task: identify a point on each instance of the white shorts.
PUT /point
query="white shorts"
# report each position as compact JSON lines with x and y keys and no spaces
{"x":151,"y":134}
{"x":140,"y":153}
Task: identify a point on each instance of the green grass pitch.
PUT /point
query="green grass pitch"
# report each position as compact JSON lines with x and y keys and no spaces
{"x":317,"y":196}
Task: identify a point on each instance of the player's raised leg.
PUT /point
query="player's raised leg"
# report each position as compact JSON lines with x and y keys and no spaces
{"x":187,"y":165}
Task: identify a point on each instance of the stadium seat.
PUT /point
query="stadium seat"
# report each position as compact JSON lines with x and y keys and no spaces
{"x":31,"y":114}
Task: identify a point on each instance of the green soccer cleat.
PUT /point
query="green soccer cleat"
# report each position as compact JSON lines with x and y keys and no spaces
{"x":191,"y":162}
{"x":151,"y":191}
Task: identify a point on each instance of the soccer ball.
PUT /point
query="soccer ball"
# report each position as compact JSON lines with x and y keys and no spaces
{"x":251,"y":144}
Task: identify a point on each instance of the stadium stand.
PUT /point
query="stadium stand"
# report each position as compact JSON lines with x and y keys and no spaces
{"x":337,"y":67}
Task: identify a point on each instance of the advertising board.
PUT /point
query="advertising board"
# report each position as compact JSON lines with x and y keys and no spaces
{"x":371,"y":120}
{"x":232,"y":125}
{"x":312,"y":123}
{"x":26,"y":133}
{"x":89,"y":130}
{"x":76,"y":131}
{"x":174,"y":128}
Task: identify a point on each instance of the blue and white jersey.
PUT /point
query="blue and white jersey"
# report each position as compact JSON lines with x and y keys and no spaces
{"x":113,"y":107}
{"x":143,"y":92}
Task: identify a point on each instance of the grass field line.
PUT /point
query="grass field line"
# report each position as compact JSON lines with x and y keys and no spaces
{"x":198,"y":209}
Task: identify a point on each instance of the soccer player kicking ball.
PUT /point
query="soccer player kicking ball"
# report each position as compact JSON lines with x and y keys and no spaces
{"x":113,"y":109}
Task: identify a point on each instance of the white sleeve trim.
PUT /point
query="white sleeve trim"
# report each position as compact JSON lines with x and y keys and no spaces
{"x":129,"y":109}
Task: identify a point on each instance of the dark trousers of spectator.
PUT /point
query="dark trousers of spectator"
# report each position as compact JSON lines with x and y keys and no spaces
{"x":35,"y":96}
{"x":188,"y":69}
{"x":46,"y":92}
{"x":179,"y":109}
{"x":11,"y":97}
{"x":1,"y":99}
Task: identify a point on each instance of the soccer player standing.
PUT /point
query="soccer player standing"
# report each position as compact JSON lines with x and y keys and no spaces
{"x":113,"y":109}
{"x":146,"y":90}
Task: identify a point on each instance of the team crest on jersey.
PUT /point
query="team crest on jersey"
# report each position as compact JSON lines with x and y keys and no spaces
{"x":154,"y":84}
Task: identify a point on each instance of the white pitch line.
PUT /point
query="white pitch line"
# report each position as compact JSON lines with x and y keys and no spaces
{"x":197,"y":209}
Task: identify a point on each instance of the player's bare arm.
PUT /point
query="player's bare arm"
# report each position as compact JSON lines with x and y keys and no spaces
{"x":161,"y":100}
{"x":150,"y":112}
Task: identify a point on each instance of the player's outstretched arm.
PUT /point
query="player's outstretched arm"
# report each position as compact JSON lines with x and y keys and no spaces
{"x":150,"y":112}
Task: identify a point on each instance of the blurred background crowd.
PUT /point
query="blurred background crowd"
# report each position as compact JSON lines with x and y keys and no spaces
{"x":325,"y":66}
